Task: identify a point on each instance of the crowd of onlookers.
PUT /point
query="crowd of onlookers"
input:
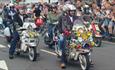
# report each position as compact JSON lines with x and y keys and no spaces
{"x":102,"y":10}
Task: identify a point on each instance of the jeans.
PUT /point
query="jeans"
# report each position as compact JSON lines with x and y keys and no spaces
{"x":62,"y":46}
{"x":5,"y":23}
{"x":105,"y":26}
{"x":51,"y":30}
{"x":106,"y":21}
{"x":14,"y":41}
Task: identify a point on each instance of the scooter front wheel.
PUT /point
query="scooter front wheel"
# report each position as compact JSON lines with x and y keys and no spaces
{"x":98,"y":42}
{"x":32,"y":54}
{"x":84,"y":61}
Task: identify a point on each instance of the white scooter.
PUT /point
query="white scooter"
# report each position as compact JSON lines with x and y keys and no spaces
{"x":29,"y":40}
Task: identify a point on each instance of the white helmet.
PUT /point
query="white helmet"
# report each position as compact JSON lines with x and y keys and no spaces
{"x":11,"y":4}
{"x":71,"y":7}
{"x":68,"y":2}
{"x":65,"y":7}
{"x":86,"y":6}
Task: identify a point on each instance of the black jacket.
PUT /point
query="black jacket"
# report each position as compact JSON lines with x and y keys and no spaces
{"x":66,"y":23}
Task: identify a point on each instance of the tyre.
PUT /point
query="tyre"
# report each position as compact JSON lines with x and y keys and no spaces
{"x":18,"y":46}
{"x":32,"y":54}
{"x":98,"y":42}
{"x":17,"y":53}
{"x":48,"y":41}
{"x":84,"y":61}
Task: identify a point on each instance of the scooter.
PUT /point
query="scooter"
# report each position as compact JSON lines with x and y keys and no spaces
{"x":92,"y":25}
{"x":78,"y":48}
{"x":96,"y":33}
{"x":29,"y":40}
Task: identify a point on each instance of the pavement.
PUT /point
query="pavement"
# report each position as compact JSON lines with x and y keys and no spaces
{"x":103,"y":58}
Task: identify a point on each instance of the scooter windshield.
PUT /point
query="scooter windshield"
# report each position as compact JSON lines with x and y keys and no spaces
{"x":78,"y":23}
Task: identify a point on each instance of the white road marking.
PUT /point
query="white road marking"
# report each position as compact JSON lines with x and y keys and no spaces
{"x":1,"y":35}
{"x":3,"y":65}
{"x":52,"y":53}
{"x":2,"y":46}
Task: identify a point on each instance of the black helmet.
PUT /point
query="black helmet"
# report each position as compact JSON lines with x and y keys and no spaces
{"x":54,"y":6}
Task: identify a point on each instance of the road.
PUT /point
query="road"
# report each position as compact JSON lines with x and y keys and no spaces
{"x":103,"y":57}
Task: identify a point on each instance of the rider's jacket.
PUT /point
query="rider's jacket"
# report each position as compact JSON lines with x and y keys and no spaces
{"x":52,"y":18}
{"x":12,"y":13}
{"x":66,"y":22}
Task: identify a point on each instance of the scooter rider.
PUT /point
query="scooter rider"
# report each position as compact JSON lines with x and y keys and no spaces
{"x":36,"y":11}
{"x":66,"y":23}
{"x":52,"y":19}
{"x":14,"y":41}
{"x":14,"y":33}
{"x":86,"y":9}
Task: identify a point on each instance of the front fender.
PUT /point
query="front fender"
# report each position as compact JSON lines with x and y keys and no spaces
{"x":84,"y":51}
{"x":32,"y":45}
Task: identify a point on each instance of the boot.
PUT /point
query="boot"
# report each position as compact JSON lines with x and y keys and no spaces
{"x":11,"y":56}
{"x":63,"y":65}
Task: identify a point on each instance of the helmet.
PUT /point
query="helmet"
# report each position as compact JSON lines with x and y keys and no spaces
{"x":11,"y":4}
{"x":54,"y":6}
{"x":65,"y":7}
{"x":86,"y":9}
{"x":86,"y":6}
{"x":68,"y":2}
{"x":71,"y":7}
{"x":39,"y":22}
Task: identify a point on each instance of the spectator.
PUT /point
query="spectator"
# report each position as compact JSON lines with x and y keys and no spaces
{"x":45,"y":10}
{"x":52,"y":18}
{"x":78,"y":4}
{"x":111,"y":23}
{"x":107,"y":11}
{"x":99,"y":3}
